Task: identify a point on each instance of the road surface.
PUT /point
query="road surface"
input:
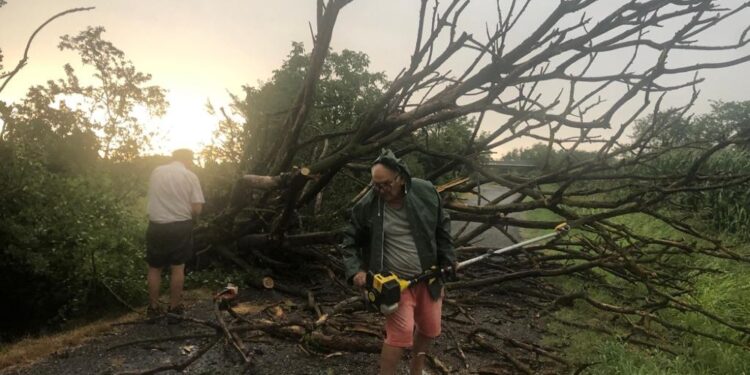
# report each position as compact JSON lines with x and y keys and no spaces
{"x":492,"y":237}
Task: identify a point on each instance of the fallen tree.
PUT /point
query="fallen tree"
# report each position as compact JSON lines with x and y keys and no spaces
{"x":547,"y":85}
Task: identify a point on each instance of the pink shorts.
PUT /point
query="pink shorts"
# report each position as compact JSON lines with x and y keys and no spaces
{"x":416,"y":309}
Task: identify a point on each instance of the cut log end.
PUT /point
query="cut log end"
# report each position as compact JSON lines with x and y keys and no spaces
{"x":268,"y":282}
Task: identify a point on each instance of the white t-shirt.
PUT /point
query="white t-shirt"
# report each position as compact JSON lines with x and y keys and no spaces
{"x":172,"y":189}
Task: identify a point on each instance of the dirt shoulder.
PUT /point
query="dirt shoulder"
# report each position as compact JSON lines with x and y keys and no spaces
{"x":30,"y":350}
{"x":132,"y":345}
{"x":490,"y":330}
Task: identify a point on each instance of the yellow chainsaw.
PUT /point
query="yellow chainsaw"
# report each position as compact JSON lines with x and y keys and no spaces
{"x":383,"y":290}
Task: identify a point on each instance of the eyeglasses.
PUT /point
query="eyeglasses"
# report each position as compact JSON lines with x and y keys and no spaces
{"x":383,"y":186}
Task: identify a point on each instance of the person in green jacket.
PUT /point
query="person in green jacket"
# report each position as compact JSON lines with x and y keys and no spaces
{"x":400,"y":226}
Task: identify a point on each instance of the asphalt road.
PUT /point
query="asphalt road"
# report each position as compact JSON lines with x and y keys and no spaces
{"x":492,"y":237}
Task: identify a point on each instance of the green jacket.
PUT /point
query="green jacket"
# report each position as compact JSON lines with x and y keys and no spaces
{"x":362,"y":246}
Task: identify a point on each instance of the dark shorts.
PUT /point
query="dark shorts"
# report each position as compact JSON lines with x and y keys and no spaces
{"x":169,"y":244}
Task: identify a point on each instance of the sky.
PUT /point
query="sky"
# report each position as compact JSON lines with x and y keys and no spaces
{"x":201,"y":50}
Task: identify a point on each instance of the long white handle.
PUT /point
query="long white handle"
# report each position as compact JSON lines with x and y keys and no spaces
{"x":559,"y":230}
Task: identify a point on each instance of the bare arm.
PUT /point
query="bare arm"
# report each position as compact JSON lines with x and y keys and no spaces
{"x":195,"y":209}
{"x":196,"y":197}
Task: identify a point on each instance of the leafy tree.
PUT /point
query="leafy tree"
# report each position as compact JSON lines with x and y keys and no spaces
{"x":546,"y":158}
{"x":112,"y":103}
{"x":70,"y":239}
{"x":105,"y":110}
{"x":450,"y":137}
{"x":346,"y":89}
{"x":681,"y":144}
{"x":670,"y":129}
{"x":227,"y":140}
{"x":58,"y":136}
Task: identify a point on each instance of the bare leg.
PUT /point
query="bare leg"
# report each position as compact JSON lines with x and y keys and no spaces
{"x":154,"y":283}
{"x":418,"y":352}
{"x":176,"y":281}
{"x":390,"y":356}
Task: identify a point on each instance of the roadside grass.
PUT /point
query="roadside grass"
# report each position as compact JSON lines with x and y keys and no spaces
{"x":726,"y":293}
{"x":32,"y":349}
{"x":29,"y":350}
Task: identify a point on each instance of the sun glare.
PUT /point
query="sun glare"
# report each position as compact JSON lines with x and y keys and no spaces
{"x":187,"y":124}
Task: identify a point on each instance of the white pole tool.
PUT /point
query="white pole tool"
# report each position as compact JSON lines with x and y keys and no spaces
{"x":559,"y":230}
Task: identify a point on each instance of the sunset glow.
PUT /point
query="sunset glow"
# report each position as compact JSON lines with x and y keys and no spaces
{"x":187,"y":124}
{"x":200,"y":52}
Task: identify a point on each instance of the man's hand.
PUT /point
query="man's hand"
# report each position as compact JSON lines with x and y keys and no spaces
{"x":450,"y":274}
{"x":359,"y":279}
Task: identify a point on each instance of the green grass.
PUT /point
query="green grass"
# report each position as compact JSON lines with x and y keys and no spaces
{"x":726,"y":294}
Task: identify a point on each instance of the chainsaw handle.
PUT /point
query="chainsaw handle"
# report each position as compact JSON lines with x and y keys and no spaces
{"x":431,"y":274}
{"x":560,"y":230}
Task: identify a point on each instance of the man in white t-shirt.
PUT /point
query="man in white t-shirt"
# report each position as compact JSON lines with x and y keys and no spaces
{"x":175,"y":198}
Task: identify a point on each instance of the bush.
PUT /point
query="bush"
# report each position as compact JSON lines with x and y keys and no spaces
{"x":68,"y":244}
{"x":724,"y":209}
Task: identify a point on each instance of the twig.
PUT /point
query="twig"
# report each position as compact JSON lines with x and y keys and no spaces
{"x":161,"y":339}
{"x":518,"y":364}
{"x":439,"y":365}
{"x":178,"y":366}
{"x":460,"y":350}
{"x":236,"y":343}
{"x":21,"y":63}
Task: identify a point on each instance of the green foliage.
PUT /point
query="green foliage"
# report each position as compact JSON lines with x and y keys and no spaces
{"x":725,"y":208}
{"x":449,"y":137}
{"x":616,"y":357}
{"x":71,"y":213}
{"x":546,"y":158}
{"x":64,"y":241}
{"x":59,"y":137}
{"x":217,"y":181}
{"x":221,"y":161}
{"x":726,"y":294}
{"x":227,"y":140}
{"x":670,"y":129}
{"x":728,"y":209}
{"x":111,"y":105}
{"x":345,"y":90}
{"x":215,"y":279}
{"x":65,"y":117}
